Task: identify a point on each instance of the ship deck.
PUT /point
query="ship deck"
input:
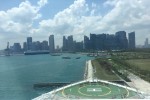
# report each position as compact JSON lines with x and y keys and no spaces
{"x":96,"y":90}
{"x":92,"y":89}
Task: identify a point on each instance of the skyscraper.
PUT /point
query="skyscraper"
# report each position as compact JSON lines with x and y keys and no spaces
{"x":131,"y":39}
{"x":146,"y":45}
{"x":110,"y":42}
{"x":25,"y":46}
{"x":146,"y":41}
{"x":100,"y":42}
{"x":16,"y":47}
{"x":64,"y":43}
{"x":70,"y":43}
{"x":121,"y":40}
{"x":29,"y":43}
{"x":51,"y":43}
{"x":93,"y":41}
{"x":44,"y":45}
{"x":78,"y":46}
{"x":36,"y":45}
{"x":86,"y":43}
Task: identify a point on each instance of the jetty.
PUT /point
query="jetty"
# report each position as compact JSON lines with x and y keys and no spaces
{"x":51,"y":84}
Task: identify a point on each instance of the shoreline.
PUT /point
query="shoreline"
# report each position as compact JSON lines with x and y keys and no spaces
{"x":88,"y":74}
{"x":139,"y":86}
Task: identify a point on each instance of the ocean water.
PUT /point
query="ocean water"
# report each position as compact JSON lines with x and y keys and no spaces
{"x":18,"y":74}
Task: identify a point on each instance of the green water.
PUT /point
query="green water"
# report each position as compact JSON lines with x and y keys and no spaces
{"x":19,"y":73}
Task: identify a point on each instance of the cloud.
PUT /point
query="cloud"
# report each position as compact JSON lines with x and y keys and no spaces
{"x":73,"y":20}
{"x":80,"y":18}
{"x":18,"y":21}
{"x":110,"y":2}
{"x":129,"y":15}
{"x":42,"y":3}
{"x":65,"y":22}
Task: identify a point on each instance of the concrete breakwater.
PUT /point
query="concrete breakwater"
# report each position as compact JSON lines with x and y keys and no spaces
{"x":88,"y":75}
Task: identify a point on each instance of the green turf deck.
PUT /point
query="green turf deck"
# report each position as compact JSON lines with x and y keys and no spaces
{"x":108,"y":91}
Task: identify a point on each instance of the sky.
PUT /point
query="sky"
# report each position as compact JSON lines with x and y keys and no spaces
{"x":20,"y":19}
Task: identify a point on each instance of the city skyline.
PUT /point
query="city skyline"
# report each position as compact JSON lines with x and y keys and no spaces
{"x":40,"y":19}
{"x":117,"y":41}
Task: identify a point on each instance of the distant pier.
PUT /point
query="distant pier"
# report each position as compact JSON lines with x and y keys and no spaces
{"x":51,"y":84}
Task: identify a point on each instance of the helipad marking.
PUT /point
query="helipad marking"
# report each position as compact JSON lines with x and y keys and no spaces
{"x":94,"y":95}
{"x":94,"y":90}
{"x":106,"y":93}
{"x":63,"y":93}
{"x":83,"y":93}
{"x":127,"y":92}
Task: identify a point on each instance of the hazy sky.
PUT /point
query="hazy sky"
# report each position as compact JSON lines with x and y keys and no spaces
{"x":40,"y":18}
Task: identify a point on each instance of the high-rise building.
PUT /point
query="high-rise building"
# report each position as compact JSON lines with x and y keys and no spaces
{"x":86,"y":45}
{"x":121,"y":40}
{"x":100,"y":42}
{"x":78,"y":46}
{"x":93,"y":41}
{"x":70,"y":43}
{"x":25,"y":46}
{"x":131,"y":38}
{"x":36,"y":46}
{"x":64,"y":44}
{"x":146,"y":41}
{"x":51,"y":43}
{"x":110,"y":43}
{"x":29,"y":43}
{"x":16,"y":47}
{"x":146,"y":45}
{"x":44,"y":45}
